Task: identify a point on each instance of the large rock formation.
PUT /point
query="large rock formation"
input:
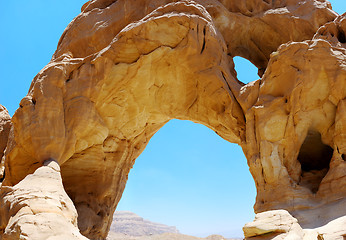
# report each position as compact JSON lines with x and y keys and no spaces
{"x":38,"y":204}
{"x":122,"y":69}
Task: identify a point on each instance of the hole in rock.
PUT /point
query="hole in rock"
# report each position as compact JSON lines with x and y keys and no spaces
{"x":314,"y":157}
{"x":246,"y":71}
{"x":2,"y":177}
{"x":191,"y":178}
{"x":342,"y":38}
{"x":341,"y":35}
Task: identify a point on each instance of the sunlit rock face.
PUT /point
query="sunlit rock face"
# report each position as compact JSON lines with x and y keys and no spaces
{"x":5,"y":126}
{"x":122,"y":69}
{"x":297,"y":123}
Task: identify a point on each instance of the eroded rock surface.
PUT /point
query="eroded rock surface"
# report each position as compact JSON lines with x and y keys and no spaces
{"x":280,"y":225}
{"x":38,"y":207}
{"x":123,"y":69}
{"x":5,"y":126}
{"x":295,"y":142}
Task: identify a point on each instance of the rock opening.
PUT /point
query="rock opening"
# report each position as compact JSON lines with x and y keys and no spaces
{"x":341,"y":36}
{"x":246,"y":71}
{"x":2,"y":177}
{"x":314,"y":157}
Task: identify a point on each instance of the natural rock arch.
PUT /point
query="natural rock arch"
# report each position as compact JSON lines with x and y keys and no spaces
{"x":124,"y":68}
{"x":110,"y":115}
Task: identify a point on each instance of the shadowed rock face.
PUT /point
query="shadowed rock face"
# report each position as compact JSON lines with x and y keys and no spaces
{"x":122,"y":69}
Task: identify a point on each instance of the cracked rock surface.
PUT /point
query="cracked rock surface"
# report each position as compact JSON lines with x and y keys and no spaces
{"x":122,"y":69}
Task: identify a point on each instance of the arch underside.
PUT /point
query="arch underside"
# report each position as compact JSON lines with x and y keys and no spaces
{"x":164,"y":83}
{"x":108,"y":90}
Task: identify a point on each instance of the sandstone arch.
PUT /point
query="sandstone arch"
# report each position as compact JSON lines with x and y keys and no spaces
{"x":115,"y":79}
{"x":121,"y":128}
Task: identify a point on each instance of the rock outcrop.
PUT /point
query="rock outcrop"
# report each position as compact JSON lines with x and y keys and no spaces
{"x":32,"y":207}
{"x":279,"y":224}
{"x":122,"y":69}
{"x":295,"y":141}
{"x":5,"y":126}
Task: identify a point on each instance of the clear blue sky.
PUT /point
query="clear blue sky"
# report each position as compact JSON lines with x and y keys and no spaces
{"x":187,"y":177}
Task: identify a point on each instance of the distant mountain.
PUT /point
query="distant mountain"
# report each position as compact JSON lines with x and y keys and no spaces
{"x":164,"y":236}
{"x":129,"y":226}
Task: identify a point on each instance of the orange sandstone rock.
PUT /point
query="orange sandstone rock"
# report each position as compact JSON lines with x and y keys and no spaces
{"x":5,"y":126}
{"x":122,"y":69}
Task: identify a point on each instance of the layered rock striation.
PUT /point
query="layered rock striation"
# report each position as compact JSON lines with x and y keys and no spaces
{"x":122,"y":69}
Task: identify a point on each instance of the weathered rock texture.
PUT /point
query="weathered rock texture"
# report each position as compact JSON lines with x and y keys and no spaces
{"x":5,"y":126}
{"x":122,"y":69}
{"x":37,"y":204}
{"x":279,"y":224}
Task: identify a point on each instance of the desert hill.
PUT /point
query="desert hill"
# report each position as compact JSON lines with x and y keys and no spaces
{"x":129,"y":226}
{"x":164,"y":236}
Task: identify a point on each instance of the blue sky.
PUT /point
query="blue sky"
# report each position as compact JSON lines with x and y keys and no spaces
{"x":187,"y":176}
